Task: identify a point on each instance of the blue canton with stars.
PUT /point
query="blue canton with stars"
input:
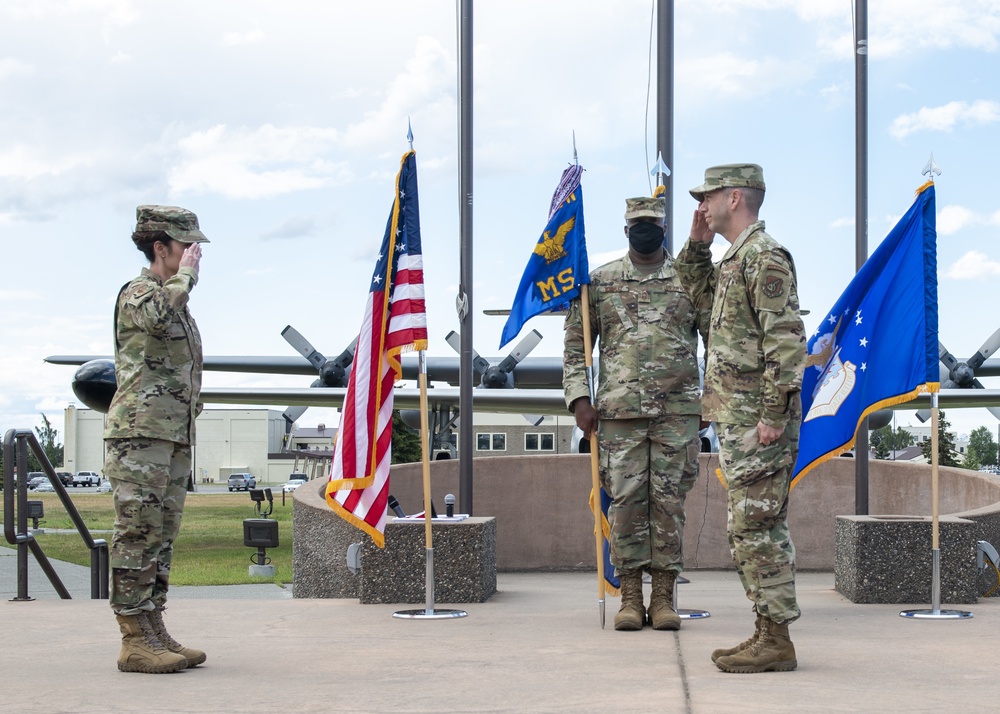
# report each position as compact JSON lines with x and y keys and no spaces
{"x":405,"y":240}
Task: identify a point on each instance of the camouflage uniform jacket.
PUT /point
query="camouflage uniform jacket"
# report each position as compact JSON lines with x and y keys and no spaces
{"x":158,"y":360}
{"x":648,"y":331}
{"x":756,"y":350}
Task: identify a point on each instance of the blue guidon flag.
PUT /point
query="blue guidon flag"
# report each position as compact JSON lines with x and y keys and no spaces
{"x":878,"y":346}
{"x":558,"y":265}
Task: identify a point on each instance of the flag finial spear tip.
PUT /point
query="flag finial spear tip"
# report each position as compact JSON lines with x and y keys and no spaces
{"x":931,"y":169}
{"x":409,"y":133}
{"x":660,"y":169}
{"x":576,"y":160}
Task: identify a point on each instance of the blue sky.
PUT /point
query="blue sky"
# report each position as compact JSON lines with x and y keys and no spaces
{"x":282,"y":124}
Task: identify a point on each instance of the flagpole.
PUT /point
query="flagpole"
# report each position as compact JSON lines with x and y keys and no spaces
{"x":935,"y":613}
{"x":588,"y":351}
{"x":428,"y":613}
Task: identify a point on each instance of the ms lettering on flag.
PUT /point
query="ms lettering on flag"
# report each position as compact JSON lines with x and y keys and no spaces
{"x":558,"y":264}
{"x":395,"y":321}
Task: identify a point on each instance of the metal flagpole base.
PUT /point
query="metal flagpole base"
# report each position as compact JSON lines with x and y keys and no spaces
{"x":935,"y":612}
{"x":686,"y":614}
{"x":429,"y":613}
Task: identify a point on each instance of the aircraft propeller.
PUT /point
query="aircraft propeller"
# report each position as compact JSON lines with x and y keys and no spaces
{"x":956,"y":374}
{"x":332,"y":373}
{"x":498,"y":376}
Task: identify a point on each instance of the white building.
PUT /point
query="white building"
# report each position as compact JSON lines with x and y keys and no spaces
{"x":252,"y":441}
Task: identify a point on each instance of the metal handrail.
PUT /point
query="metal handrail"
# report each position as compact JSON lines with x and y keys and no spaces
{"x":15,"y":521}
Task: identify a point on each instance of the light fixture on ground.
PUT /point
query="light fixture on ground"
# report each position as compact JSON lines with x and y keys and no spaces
{"x":261,"y":533}
{"x":35,"y":510}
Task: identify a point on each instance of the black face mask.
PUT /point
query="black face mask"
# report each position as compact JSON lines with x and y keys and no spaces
{"x":645,"y":237}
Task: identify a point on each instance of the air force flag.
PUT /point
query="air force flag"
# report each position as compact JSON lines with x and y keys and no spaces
{"x":558,"y":266}
{"x":878,"y":346}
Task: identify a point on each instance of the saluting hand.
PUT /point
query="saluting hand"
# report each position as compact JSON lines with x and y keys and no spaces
{"x":700,"y":232}
{"x":191,"y":257}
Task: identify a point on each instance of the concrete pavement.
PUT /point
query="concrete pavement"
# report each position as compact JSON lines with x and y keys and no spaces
{"x":535,"y":646}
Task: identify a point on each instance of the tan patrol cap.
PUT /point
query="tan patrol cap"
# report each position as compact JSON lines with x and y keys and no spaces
{"x":178,"y":223}
{"x":730,"y":176}
{"x":645,"y":207}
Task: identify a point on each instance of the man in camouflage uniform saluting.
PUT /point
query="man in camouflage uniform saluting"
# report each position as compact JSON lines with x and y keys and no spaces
{"x":646,"y":416}
{"x":150,"y":431}
{"x":756,"y":354}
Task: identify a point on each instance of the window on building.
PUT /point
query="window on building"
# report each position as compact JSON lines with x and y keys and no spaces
{"x":491,"y":442}
{"x":539,"y":442}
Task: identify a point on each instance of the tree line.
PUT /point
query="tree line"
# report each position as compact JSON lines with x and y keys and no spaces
{"x":981,"y":451}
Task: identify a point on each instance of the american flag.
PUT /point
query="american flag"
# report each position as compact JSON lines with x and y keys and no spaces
{"x":395,"y":321}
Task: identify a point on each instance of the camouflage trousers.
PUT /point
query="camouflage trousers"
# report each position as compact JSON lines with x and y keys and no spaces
{"x":758,"y":478}
{"x":149,"y":483}
{"x":647,"y":467}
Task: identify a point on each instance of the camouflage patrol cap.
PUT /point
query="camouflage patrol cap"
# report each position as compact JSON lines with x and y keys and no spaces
{"x":178,"y":223}
{"x":730,"y":176}
{"x":645,"y":207}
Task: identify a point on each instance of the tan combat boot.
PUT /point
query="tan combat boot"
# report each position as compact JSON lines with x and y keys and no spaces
{"x":661,"y":603}
{"x":141,"y":651}
{"x":772,"y":652}
{"x":758,"y":626}
{"x":632,"y":614}
{"x":194,"y":657}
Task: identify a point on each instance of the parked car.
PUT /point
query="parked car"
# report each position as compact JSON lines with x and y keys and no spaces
{"x":242,"y":482}
{"x":35,"y":479}
{"x":86,"y":478}
{"x":292,"y":484}
{"x":105,"y":487}
{"x":45,"y":487}
{"x":66,"y":477}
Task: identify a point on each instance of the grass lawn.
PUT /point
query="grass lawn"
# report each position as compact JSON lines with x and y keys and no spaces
{"x":208,"y":551}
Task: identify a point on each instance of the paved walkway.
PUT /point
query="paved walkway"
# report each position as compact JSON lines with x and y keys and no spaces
{"x":535,"y":646}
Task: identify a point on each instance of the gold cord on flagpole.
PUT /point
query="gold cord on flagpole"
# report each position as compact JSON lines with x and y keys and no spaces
{"x":588,"y":351}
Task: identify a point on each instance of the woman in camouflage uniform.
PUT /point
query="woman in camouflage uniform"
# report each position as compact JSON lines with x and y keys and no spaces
{"x":150,"y":432}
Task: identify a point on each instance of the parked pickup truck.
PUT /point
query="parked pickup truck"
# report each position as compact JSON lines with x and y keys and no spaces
{"x":86,"y":478}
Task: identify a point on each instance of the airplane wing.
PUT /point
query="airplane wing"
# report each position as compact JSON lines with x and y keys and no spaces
{"x":531,"y":373}
{"x":955,"y":399}
{"x":501,"y":401}
{"x":517,"y":401}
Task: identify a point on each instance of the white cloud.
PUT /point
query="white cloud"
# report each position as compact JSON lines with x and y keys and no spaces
{"x":11,"y":66}
{"x":973,"y":266}
{"x":728,"y":75}
{"x":428,"y":82}
{"x":946,"y":117}
{"x":843,"y":223}
{"x":269,"y":161}
{"x":294,"y":227}
{"x":25,"y":163}
{"x":232,"y":39}
{"x":952,"y":219}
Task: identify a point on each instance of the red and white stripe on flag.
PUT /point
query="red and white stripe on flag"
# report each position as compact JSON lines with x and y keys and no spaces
{"x":395,"y":321}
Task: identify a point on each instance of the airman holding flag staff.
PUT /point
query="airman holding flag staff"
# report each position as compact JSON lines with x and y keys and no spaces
{"x":756,"y":353}
{"x":646,"y":411}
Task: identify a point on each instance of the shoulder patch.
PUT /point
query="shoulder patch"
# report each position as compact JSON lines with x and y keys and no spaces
{"x":773,"y":288}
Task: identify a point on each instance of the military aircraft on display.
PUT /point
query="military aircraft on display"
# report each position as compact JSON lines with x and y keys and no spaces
{"x":515,"y":385}
{"x":512,"y":385}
